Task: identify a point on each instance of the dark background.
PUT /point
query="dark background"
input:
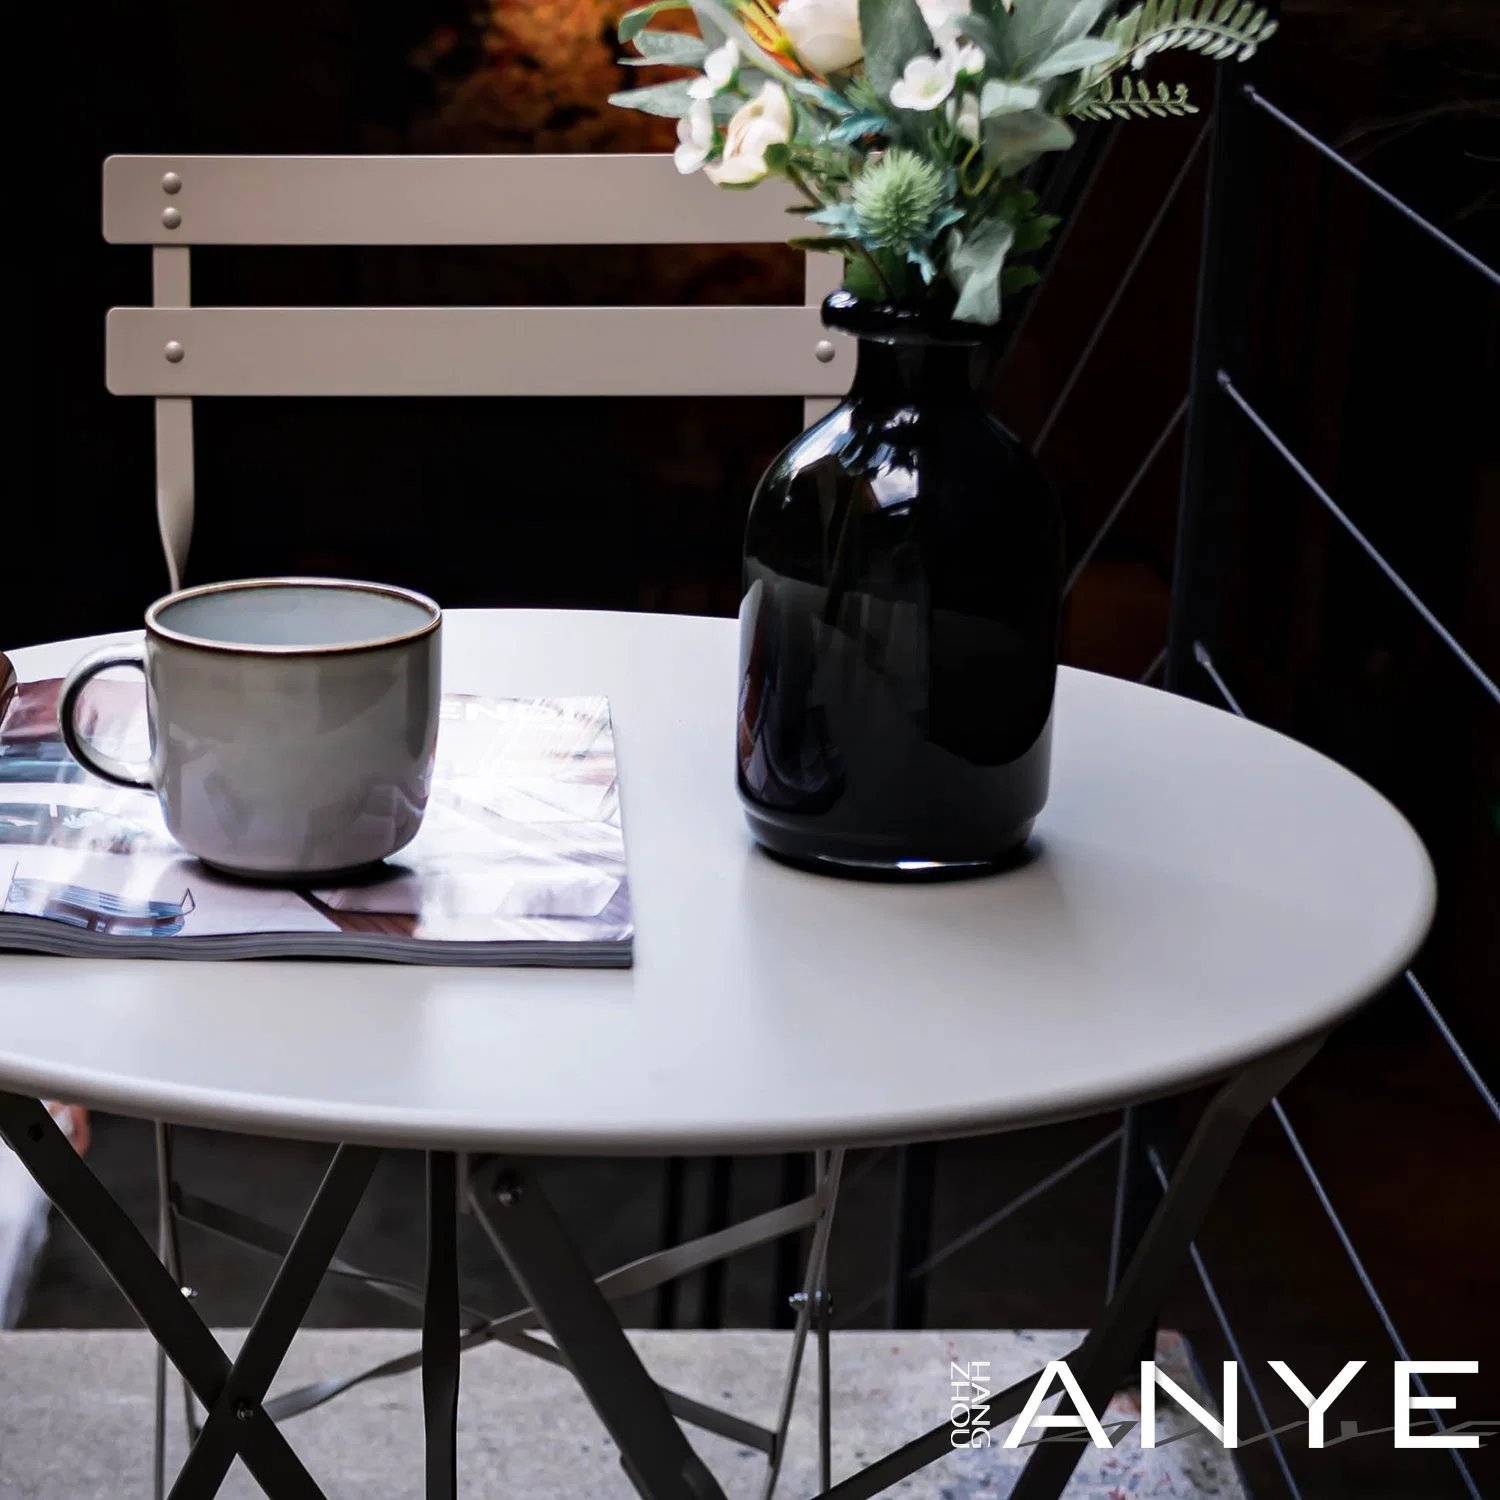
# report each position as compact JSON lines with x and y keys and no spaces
{"x":1373,"y":354}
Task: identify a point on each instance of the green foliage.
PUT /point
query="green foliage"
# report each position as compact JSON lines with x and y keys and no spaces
{"x":1038,"y":28}
{"x":893,"y":32}
{"x":671,"y":100}
{"x":975,"y":262}
{"x":1134,"y":98}
{"x":1015,"y":139}
{"x":856,"y":126}
{"x":925,"y":206}
{"x":667,"y":48}
{"x":637,"y":20}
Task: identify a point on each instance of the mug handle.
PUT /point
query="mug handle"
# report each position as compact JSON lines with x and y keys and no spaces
{"x":102,"y":765}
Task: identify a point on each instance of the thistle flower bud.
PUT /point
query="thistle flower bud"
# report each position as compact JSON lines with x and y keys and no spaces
{"x":896,"y":197}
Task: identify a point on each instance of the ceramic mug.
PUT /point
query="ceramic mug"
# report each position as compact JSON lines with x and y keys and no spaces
{"x":293,"y":721}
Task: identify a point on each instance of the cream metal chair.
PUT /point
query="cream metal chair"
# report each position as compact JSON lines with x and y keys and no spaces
{"x":173,"y":351}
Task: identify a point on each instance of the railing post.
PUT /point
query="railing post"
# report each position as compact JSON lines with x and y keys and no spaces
{"x":1200,"y":573}
{"x":1201,"y":569}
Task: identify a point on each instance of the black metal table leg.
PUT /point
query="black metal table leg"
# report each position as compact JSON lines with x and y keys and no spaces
{"x":673,"y":1231}
{"x":277,"y":1322}
{"x":1105,"y":1358}
{"x":911,"y":1238}
{"x":551,"y":1274}
{"x":796,"y":1180}
{"x":147,"y":1285}
{"x":440,"y":1327}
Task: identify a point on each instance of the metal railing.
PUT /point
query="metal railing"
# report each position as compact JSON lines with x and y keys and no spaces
{"x":1213,"y":397}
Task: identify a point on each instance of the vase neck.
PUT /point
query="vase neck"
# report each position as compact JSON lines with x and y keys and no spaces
{"x":899,"y":371}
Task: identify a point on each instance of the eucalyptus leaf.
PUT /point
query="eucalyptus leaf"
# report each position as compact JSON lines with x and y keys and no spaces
{"x":893,"y":32}
{"x":1013,"y":141}
{"x":1040,"y":27}
{"x":661,"y":48}
{"x":635,"y":21}
{"x":1000,"y":98}
{"x":975,"y":263}
{"x":670,"y":100}
{"x":1075,"y":56}
{"x":839,"y":217}
{"x":987,"y":36}
{"x":821,"y":95}
{"x":854,"y":126}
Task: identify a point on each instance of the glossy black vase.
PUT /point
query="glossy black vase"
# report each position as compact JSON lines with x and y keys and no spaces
{"x":898,"y":632}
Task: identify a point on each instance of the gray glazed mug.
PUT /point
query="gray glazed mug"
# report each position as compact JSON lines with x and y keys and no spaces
{"x":293,"y":721}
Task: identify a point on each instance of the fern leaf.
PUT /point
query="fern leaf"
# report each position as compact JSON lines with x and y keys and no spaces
{"x":1219,"y":29}
{"x":1135,"y":99}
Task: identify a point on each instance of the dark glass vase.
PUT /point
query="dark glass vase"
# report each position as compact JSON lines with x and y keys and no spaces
{"x":898,"y":632}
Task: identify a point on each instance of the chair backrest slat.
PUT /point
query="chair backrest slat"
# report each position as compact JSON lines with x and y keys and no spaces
{"x":175,"y":352}
{"x":429,"y":200}
{"x":471,"y":351}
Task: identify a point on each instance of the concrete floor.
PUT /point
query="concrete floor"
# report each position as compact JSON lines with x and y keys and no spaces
{"x":75,"y":1419}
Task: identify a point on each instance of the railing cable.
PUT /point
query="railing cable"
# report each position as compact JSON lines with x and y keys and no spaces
{"x":1366,"y":1283}
{"x":1406,"y":591}
{"x":1118,"y":296}
{"x":1206,"y":661}
{"x":1142,"y":470}
{"x":1365,"y":180}
{"x":1485,"y":1092}
{"x":983,"y":1227}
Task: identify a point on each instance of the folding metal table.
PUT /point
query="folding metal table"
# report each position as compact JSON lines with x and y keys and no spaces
{"x":1206,"y":901}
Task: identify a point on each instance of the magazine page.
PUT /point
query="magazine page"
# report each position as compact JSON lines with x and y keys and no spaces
{"x":521,"y":855}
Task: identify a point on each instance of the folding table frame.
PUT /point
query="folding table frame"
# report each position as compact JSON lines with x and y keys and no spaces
{"x":574,"y":1309}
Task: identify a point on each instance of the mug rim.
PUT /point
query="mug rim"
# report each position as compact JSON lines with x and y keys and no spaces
{"x":163,"y":632}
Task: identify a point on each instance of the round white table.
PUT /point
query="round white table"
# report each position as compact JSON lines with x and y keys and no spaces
{"x":1206,"y":901}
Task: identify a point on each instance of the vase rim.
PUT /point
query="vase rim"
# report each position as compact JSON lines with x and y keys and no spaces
{"x":889,"y":323}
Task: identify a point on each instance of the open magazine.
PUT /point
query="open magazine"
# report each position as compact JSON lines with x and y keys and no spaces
{"x":520,"y":859}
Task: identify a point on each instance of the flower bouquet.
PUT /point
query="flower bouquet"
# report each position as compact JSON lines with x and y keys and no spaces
{"x":908,"y":126}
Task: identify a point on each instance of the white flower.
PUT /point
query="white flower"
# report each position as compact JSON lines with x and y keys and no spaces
{"x":926,"y":82}
{"x":965,"y":116}
{"x":940,"y":16}
{"x":764,"y":121}
{"x":719,"y":68}
{"x":968,"y":60}
{"x":824,"y":33}
{"x":695,"y":137}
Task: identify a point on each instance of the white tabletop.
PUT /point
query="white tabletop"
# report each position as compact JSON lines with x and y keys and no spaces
{"x":1206,"y":891}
